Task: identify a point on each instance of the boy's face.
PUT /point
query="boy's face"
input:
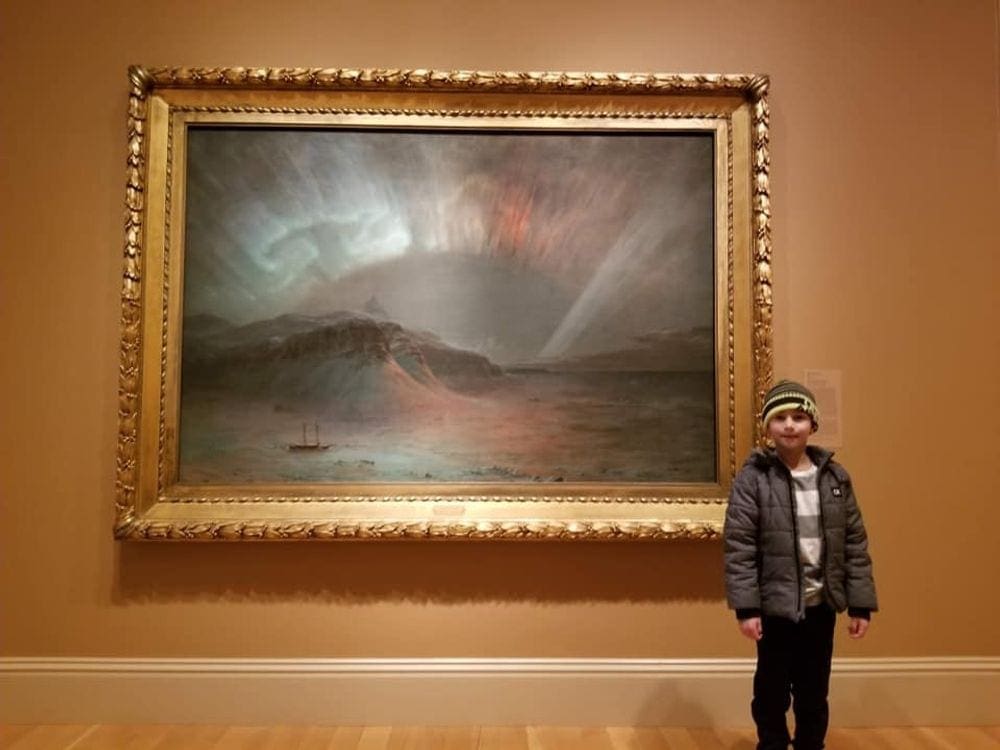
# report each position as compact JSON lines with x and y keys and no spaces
{"x":790,"y":430}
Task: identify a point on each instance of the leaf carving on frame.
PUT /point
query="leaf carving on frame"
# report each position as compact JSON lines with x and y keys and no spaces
{"x":420,"y":530}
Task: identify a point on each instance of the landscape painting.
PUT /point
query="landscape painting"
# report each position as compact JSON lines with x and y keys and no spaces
{"x":435,"y":306}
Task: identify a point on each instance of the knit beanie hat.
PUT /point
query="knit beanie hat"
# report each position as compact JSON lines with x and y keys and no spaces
{"x":787,"y":394}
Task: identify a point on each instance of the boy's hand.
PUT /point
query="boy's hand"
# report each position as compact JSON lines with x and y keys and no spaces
{"x":857,"y":627}
{"x":751,"y":628}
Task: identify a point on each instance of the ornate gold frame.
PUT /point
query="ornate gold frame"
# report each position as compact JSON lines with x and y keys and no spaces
{"x":151,"y":505}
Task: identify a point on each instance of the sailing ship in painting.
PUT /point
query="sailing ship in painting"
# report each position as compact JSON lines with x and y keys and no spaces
{"x":309,"y":445}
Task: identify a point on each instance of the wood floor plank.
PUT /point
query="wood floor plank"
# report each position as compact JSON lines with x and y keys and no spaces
{"x":901,"y":738}
{"x":286,"y":737}
{"x":911,"y":738}
{"x":580,"y":738}
{"x":48,"y":737}
{"x":547,"y":738}
{"x":679,"y":738}
{"x":503,"y":738}
{"x":870,"y":739}
{"x":737,"y":739}
{"x":433,"y":738}
{"x":453,"y":738}
{"x":242,"y":738}
{"x":122,"y":737}
{"x":637,"y":738}
{"x":333,"y":738}
{"x":968,"y":738}
{"x":189,"y":737}
{"x":935,"y":740}
{"x":374,"y":738}
{"x":296,"y":737}
{"x":846,"y":739}
{"x":706,"y":739}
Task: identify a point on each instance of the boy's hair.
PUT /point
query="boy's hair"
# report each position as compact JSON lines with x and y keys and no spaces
{"x":787,"y":394}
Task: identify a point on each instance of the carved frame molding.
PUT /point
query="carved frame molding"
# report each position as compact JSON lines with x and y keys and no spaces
{"x":163,"y":518}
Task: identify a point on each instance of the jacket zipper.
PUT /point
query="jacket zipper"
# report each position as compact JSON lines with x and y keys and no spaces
{"x":799,"y":611}
{"x":822,"y":528}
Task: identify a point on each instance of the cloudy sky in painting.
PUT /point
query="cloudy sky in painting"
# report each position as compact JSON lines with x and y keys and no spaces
{"x":518,"y":245}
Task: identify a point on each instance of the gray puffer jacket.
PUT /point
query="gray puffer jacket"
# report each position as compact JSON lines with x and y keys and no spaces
{"x":763,"y":574}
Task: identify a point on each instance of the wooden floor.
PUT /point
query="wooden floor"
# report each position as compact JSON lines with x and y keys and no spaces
{"x":179,"y":737}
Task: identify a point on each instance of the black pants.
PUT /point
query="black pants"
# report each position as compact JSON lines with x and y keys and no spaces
{"x":793,"y":662}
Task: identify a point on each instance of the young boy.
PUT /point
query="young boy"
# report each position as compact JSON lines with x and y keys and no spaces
{"x":796,"y":554}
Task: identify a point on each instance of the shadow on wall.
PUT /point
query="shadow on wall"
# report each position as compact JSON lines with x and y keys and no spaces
{"x":422,"y":571}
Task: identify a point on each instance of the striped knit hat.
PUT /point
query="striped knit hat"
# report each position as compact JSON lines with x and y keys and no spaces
{"x":787,"y":394}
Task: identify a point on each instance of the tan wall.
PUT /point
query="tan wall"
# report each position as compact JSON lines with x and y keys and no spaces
{"x":885,"y":195}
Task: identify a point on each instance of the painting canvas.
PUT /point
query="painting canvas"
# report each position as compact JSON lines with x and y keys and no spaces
{"x":392,"y":305}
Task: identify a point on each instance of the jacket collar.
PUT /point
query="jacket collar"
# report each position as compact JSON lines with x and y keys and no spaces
{"x":764,"y":458}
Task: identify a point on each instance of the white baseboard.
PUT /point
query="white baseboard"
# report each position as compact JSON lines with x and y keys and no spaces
{"x":543,"y":692}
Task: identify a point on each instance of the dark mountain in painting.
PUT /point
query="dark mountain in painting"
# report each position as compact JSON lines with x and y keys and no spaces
{"x":344,"y":362}
{"x":691,"y":350}
{"x":485,"y":304}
